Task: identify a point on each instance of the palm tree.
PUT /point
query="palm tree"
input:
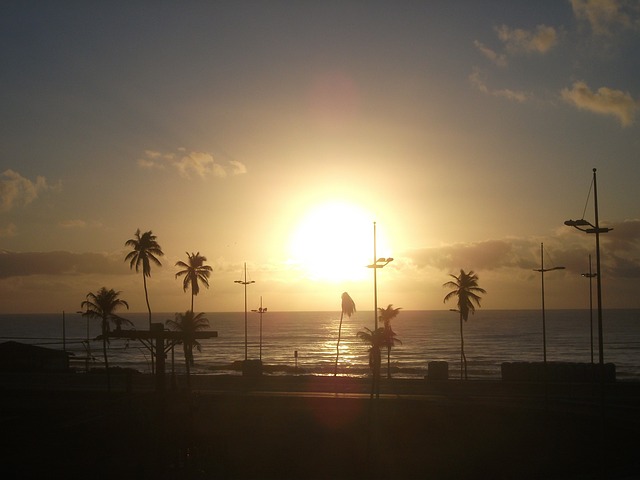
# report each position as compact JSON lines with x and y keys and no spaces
{"x":348,"y":308}
{"x":375,"y":339}
{"x":194,"y":270}
{"x":390,"y":338}
{"x":103,"y":305}
{"x":466,"y":288}
{"x":145,"y":252}
{"x":188,"y":324}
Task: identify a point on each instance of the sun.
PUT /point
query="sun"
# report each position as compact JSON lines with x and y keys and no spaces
{"x":334,"y":242}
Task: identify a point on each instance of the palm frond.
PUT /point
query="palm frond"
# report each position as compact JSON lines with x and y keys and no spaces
{"x":348,"y":305}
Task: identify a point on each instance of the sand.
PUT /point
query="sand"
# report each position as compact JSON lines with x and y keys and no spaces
{"x":321,"y":428}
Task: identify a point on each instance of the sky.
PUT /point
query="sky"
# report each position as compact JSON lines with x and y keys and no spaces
{"x":274,"y":134}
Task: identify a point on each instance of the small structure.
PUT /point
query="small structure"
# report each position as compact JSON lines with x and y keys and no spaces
{"x":154,"y":340}
{"x":22,"y":357}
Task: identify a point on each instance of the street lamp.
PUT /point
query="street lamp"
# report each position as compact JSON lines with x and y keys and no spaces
{"x":590,"y":276}
{"x":260,"y":310}
{"x":377,"y":263}
{"x":580,"y":225}
{"x":245,"y":283}
{"x":542,"y":271}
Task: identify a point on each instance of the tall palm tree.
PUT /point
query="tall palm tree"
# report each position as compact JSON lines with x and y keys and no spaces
{"x":103,"y":305}
{"x":348,"y":308}
{"x":188,"y":324}
{"x":390,"y":338}
{"x":465,"y":287}
{"x":145,"y":252}
{"x":375,"y":339}
{"x":194,"y":271}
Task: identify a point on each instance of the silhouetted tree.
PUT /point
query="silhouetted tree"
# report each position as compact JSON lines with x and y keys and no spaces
{"x":465,"y":287}
{"x":145,"y":252}
{"x":348,"y":308}
{"x":189,"y":324}
{"x":375,"y":340}
{"x":103,"y":305}
{"x":194,"y":271}
{"x":390,"y":338}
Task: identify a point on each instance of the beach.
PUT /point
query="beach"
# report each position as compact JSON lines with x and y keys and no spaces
{"x":321,"y":427}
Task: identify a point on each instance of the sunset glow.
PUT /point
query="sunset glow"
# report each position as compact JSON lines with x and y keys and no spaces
{"x":275,"y":135}
{"x":333,"y":242}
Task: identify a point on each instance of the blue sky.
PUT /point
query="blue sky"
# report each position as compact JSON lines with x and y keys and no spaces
{"x":275,"y":133}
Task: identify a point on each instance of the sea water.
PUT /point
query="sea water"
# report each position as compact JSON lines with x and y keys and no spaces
{"x":307,"y":340}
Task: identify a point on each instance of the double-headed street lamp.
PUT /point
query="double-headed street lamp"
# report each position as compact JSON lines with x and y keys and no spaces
{"x":582,"y":225}
{"x":245,"y":283}
{"x":377,"y":263}
{"x":542,"y":271}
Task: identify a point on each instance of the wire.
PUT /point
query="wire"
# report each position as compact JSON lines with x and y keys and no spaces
{"x":550,"y":257}
{"x":587,"y":202}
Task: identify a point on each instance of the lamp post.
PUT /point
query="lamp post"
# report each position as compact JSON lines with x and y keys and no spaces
{"x":542,"y":271}
{"x":581,"y":225}
{"x":377,"y":263}
{"x":260,"y":310}
{"x":590,"y":276}
{"x":245,"y":283}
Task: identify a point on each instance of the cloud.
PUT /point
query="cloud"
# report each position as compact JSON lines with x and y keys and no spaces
{"x":487,"y":255}
{"x":607,"y":16}
{"x":238,"y":168}
{"x":620,"y":249}
{"x":514,"y":95}
{"x":522,"y":41}
{"x":620,"y":259}
{"x":16,"y":190}
{"x":605,"y":101}
{"x":77,"y":223}
{"x":73,"y":224}
{"x":8,"y":231}
{"x":499,"y":59}
{"x":17,"y":264}
{"x":188,"y":164}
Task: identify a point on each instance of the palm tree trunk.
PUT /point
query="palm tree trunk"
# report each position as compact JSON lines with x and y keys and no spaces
{"x":376,"y":374}
{"x":104,"y":353}
{"x":463,"y":358}
{"x":188,"y":365}
{"x":388,"y":362}
{"x":146,"y":297}
{"x":461,"y":348}
{"x":335,"y":373}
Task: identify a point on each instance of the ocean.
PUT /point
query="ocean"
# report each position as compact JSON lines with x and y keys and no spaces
{"x":307,"y":340}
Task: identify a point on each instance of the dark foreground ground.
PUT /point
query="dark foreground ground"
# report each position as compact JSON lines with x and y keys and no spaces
{"x":304,"y":427}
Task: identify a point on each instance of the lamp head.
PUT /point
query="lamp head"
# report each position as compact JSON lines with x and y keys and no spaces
{"x":577,"y":223}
